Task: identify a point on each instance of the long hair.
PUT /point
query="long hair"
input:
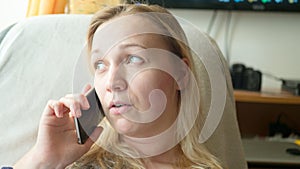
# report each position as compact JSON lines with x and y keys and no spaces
{"x":193,"y":154}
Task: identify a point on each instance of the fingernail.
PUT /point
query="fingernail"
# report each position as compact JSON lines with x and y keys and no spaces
{"x":78,"y":114}
{"x":86,"y":105}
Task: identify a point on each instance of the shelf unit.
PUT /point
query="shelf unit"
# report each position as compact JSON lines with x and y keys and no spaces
{"x":257,"y":110}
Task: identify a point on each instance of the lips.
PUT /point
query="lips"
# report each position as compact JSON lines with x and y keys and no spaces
{"x":117,"y":108}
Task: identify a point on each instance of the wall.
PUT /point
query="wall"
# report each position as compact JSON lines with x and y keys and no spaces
{"x":269,"y":41}
{"x":12,"y":11}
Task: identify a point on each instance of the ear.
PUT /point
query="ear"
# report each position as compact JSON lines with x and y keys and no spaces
{"x":184,"y":75}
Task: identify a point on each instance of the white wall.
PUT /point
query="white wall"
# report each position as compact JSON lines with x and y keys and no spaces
{"x":266,"y":41}
{"x":12,"y":11}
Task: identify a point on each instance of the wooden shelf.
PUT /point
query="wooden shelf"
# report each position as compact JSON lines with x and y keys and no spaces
{"x":260,"y":97}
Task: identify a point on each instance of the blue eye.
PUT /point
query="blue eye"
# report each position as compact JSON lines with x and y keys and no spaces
{"x":100,"y":66}
{"x":135,"y":59}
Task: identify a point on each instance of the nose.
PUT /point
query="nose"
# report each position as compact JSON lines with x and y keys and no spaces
{"x":116,"y":81}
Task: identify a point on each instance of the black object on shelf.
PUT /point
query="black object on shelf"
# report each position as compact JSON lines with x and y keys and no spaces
{"x":293,"y":151}
{"x":292,"y":86}
{"x":245,"y":78}
{"x":279,"y":128}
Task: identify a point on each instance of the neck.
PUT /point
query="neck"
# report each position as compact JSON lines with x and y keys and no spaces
{"x":165,"y":160}
{"x":170,"y":156}
{"x":155,"y":145}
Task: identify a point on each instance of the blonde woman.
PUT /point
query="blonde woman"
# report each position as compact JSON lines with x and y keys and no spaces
{"x":144,"y":77}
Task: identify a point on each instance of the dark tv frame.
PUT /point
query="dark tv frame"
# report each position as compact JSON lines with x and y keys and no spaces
{"x":231,"y":5}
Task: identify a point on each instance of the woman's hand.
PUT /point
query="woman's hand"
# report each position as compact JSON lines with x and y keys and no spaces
{"x":56,"y":145}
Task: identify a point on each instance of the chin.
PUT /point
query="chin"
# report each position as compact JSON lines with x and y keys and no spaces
{"x":124,"y":126}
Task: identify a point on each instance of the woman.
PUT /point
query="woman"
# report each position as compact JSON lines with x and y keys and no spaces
{"x":142,"y":77}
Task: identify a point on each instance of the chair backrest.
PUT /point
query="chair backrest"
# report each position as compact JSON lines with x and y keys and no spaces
{"x":225,"y":142}
{"x":216,"y":91}
{"x":37,"y":59}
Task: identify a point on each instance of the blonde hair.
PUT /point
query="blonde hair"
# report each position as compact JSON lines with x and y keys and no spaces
{"x":194,"y":154}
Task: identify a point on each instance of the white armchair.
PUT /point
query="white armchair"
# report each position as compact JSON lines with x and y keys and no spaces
{"x":37,"y":59}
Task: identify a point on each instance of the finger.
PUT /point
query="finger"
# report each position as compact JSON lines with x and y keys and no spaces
{"x":82,"y":100}
{"x":49,"y":110}
{"x":55,"y":107}
{"x":93,"y":137}
{"x":60,"y":109}
{"x":73,"y":105}
{"x":86,"y":88}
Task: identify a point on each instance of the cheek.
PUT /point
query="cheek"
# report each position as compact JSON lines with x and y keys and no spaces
{"x":153,"y":80}
{"x":99,"y":84}
{"x":142,"y":84}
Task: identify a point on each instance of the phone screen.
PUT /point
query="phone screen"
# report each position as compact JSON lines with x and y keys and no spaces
{"x":90,"y":118}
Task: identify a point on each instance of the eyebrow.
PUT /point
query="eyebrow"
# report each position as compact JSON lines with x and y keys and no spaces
{"x":126,"y":45}
{"x":94,"y":51}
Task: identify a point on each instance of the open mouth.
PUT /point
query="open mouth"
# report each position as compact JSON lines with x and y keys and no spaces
{"x":118,"y":105}
{"x":119,"y":108}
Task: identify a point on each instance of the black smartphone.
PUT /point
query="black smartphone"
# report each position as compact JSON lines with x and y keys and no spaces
{"x":90,"y":118}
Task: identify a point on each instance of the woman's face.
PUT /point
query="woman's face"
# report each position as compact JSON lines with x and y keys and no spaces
{"x":137,"y":93}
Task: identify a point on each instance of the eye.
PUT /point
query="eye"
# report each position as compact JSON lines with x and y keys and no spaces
{"x":100,"y":66}
{"x":135,"y":59}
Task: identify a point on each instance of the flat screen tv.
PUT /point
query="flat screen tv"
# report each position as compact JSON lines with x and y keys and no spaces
{"x":255,"y":5}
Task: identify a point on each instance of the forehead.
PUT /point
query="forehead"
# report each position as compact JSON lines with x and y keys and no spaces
{"x":118,"y":29}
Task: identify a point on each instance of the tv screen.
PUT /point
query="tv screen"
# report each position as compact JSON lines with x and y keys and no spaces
{"x":256,"y":5}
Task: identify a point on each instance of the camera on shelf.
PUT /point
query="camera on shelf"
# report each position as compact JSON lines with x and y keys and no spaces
{"x":245,"y":78}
